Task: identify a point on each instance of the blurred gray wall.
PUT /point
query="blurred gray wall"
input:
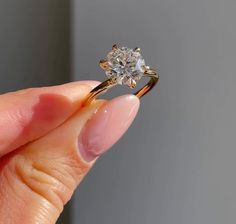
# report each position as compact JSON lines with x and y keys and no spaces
{"x":177,"y":163}
{"x":34,"y":43}
{"x":34,"y":46}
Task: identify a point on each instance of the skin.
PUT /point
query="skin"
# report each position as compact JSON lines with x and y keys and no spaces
{"x":41,"y":161}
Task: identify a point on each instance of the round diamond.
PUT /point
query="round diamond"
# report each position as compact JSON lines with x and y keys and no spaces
{"x":125,"y":64}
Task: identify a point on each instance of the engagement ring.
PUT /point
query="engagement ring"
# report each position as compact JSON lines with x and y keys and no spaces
{"x":124,"y":66}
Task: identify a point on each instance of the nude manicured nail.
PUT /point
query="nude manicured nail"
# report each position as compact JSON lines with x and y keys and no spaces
{"x":107,"y":125}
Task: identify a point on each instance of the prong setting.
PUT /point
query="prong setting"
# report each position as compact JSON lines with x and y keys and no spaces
{"x":137,"y":49}
{"x":114,"y":47}
{"x":146,"y":68}
{"x":132,"y":83}
{"x":104,"y":64}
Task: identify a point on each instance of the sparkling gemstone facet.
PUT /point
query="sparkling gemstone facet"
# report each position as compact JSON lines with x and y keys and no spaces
{"x":125,"y":64}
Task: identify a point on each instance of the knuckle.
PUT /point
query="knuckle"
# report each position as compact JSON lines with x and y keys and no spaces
{"x":39,"y":180}
{"x":52,"y":175}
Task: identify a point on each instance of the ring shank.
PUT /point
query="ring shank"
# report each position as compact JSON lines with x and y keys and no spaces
{"x":109,"y":83}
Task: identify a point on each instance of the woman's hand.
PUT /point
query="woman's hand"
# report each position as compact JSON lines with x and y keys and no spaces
{"x":48,"y":142}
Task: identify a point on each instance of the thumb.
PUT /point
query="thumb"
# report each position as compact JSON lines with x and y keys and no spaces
{"x":38,"y":179}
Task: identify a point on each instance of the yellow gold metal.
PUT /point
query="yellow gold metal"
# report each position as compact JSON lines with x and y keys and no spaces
{"x":109,"y":83}
{"x":103,"y":64}
{"x":137,"y":49}
{"x":132,"y":83}
{"x":115,"y":46}
{"x":154,"y":78}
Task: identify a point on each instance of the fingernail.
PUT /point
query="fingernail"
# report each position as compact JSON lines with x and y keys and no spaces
{"x":107,"y":125}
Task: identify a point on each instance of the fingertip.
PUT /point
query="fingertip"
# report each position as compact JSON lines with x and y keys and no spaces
{"x":107,"y":126}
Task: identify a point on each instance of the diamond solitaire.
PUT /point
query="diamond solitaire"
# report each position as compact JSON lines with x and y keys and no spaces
{"x":125,"y":65}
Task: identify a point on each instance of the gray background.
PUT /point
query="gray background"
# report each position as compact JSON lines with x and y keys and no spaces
{"x":176,"y":164}
{"x":34,"y":43}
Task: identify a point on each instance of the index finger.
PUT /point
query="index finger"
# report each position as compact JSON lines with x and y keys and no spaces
{"x":28,"y":114}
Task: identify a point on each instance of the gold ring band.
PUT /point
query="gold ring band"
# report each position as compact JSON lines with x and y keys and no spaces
{"x":109,"y":83}
{"x":113,"y":81}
